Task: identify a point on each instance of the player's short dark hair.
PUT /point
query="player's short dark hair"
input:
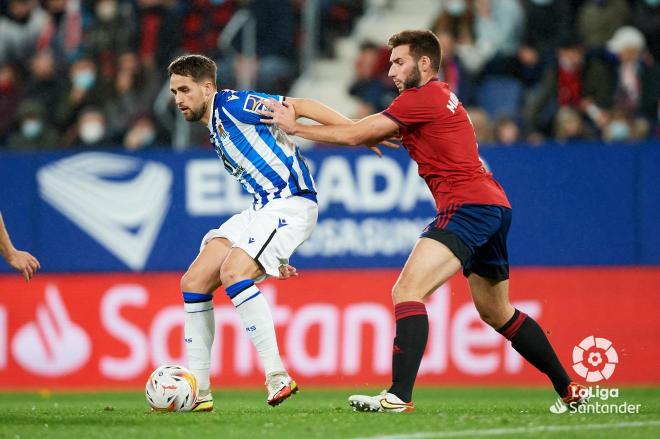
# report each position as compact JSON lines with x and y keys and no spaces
{"x":198,"y":67}
{"x":422,"y":43}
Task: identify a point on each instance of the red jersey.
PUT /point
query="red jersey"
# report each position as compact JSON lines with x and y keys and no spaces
{"x":439,"y":136}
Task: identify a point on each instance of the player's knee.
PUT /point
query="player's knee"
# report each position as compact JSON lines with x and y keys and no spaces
{"x":494,"y":317}
{"x":230,"y":274}
{"x":403,"y":293}
{"x":192,"y":282}
{"x":488,"y":318}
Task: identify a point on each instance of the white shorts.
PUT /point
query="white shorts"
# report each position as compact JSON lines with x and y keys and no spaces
{"x":271,"y":234}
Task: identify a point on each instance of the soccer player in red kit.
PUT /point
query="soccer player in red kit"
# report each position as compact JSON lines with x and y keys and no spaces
{"x":470,"y":228}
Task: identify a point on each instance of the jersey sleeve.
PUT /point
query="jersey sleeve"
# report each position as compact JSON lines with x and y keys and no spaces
{"x":243,"y":105}
{"x":410,"y":108}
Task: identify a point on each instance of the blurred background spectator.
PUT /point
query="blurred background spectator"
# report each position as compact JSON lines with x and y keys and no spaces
{"x":91,"y":130}
{"x":141,"y":134}
{"x":36,"y":131}
{"x":528,"y":70}
{"x":599,"y":19}
{"x":372,"y":87}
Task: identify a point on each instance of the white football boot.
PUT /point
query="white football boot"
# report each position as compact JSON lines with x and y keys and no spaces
{"x":280,"y":386}
{"x":203,"y":403}
{"x":384,"y":402}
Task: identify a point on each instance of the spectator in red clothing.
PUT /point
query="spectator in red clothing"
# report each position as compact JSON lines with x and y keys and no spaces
{"x":62,"y":33}
{"x":566,"y":83}
{"x":159,"y":31}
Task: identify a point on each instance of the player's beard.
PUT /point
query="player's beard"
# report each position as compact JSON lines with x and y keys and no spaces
{"x":197,"y":115}
{"x":413,"y":79}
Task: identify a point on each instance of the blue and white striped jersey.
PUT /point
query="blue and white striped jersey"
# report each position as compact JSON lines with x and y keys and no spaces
{"x":260,"y":156}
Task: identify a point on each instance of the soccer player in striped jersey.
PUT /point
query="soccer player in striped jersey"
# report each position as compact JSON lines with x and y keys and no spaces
{"x":253,"y":244}
{"x":468,"y":233}
{"x":257,"y":242}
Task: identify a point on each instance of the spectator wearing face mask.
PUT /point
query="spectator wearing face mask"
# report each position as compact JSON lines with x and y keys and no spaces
{"x":34,"y":132}
{"x":624,"y":128}
{"x":91,"y":129}
{"x":85,"y":88}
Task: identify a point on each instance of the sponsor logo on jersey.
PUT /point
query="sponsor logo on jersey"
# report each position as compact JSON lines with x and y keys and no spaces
{"x":253,"y":103}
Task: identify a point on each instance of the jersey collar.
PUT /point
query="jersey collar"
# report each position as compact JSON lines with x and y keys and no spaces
{"x":209,"y":125}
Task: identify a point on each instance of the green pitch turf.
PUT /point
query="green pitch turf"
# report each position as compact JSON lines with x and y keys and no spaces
{"x":440,"y":413}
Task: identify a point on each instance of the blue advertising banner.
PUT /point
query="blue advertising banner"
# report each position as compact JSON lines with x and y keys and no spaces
{"x":99,"y":211}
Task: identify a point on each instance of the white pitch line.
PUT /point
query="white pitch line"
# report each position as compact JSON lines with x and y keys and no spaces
{"x":518,"y":430}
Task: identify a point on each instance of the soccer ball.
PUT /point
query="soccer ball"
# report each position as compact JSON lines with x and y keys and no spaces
{"x":171,"y":389}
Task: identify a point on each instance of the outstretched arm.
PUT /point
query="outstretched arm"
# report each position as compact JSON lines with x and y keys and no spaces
{"x":372,"y":129}
{"x":19,"y":260}
{"x":317,"y":111}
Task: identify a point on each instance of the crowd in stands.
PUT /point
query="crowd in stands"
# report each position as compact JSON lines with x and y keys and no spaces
{"x":90,"y":72}
{"x":531,"y":70}
{"x":85,"y":73}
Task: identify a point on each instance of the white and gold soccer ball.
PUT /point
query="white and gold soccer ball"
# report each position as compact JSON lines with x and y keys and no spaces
{"x":171,"y":389}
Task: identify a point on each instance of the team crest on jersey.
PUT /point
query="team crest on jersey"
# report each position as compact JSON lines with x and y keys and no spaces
{"x":253,"y":104}
{"x":221,"y":130}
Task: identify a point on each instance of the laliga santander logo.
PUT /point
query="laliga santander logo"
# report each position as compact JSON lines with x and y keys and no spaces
{"x":595,"y":359}
{"x":53,"y":345}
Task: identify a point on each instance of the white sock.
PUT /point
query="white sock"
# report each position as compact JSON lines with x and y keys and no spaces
{"x":199,"y":330}
{"x":255,"y":314}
